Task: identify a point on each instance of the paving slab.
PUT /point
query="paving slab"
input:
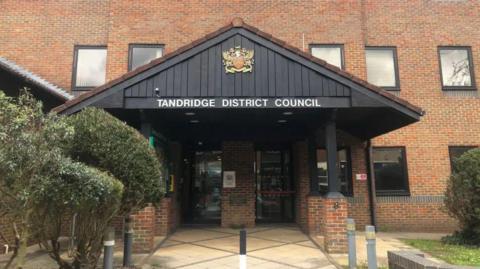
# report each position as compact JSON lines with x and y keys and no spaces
{"x":268,"y":247}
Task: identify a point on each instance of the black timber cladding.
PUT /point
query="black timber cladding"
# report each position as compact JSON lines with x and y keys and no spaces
{"x":203,"y":75}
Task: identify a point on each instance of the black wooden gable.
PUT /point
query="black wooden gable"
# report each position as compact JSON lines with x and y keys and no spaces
{"x":203,"y":75}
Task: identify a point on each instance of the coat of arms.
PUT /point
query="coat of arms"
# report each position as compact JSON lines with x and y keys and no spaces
{"x":238,"y":59}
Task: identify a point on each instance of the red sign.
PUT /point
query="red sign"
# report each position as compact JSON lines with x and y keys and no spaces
{"x":361,"y":177}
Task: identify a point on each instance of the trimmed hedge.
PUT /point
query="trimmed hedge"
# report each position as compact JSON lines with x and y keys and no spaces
{"x":105,"y":142}
{"x":463,"y":197}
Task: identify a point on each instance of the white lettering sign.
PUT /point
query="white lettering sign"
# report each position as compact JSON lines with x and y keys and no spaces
{"x":239,"y":103}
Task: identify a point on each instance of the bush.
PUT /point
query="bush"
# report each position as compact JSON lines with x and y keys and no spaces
{"x":105,"y":142}
{"x":463,"y":197}
{"x":29,"y":143}
{"x":89,"y":194}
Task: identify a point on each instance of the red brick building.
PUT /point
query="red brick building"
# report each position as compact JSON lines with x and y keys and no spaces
{"x":392,"y":161}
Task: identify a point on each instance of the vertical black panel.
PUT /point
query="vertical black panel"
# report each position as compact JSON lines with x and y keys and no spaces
{"x":219,"y":70}
{"x":316,"y":86}
{"x":184,"y":77}
{"x":194,"y":76}
{"x":331,"y":88}
{"x":248,"y":79}
{"x":291,"y":78}
{"x":170,"y":81}
{"x":228,"y":80}
{"x":298,"y":79}
{"x":260,"y":68}
{"x":143,"y":89}
{"x":211,"y":73}
{"x":325,"y":86}
{"x":161,"y":83}
{"x":177,"y":82}
{"x":128,"y":92}
{"x":150,"y":87}
{"x":305,"y":81}
{"x":271,"y":73}
{"x":281,"y":76}
{"x":238,"y":76}
{"x":204,"y":73}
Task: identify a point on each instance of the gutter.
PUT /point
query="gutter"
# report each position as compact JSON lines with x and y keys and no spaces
{"x":371,"y":184}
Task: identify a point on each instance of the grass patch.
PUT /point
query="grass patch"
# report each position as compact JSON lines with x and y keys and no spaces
{"x":453,"y":254}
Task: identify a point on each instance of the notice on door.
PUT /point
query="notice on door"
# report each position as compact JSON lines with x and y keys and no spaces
{"x":229,"y":179}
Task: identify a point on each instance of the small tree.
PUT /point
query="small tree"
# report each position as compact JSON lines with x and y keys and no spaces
{"x":92,"y":196}
{"x":27,"y":145}
{"x":463,"y":197}
{"x":105,"y":142}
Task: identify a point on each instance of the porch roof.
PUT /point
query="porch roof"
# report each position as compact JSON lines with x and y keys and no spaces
{"x":279,"y":71}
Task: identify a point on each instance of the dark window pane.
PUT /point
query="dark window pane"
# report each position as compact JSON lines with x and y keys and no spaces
{"x":143,"y":55}
{"x":390,"y":171}
{"x":457,"y":151}
{"x":455,"y":68}
{"x":381,"y":67}
{"x":91,"y":67}
{"x":343,"y":171}
{"x":330,"y":54}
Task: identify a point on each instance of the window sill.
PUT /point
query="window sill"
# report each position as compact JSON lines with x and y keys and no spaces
{"x":392,"y":193}
{"x":459,"y":89}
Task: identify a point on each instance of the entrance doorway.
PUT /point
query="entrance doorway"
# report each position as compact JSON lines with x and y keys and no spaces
{"x":206,"y":187}
{"x":274,"y":186}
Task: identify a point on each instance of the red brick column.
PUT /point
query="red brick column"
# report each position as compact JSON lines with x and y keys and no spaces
{"x":143,"y":230}
{"x":162,"y":217}
{"x":315,"y":215}
{"x":238,"y":204}
{"x":302,"y":183}
{"x":335,"y":212}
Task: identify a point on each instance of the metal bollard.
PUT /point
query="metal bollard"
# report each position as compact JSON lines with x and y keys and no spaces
{"x":108,"y":246}
{"x":352,"y":249}
{"x":243,"y":249}
{"x":128,"y":242}
{"x":371,"y":248}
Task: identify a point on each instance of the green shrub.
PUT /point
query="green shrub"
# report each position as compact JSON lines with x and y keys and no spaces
{"x":463,"y":197}
{"x":105,"y":142}
{"x":76,"y":189}
{"x":29,"y":143}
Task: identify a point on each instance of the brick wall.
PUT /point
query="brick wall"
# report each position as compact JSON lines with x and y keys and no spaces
{"x":40,"y":35}
{"x":238,"y":204}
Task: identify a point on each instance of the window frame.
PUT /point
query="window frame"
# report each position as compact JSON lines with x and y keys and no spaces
{"x":76,"y":48}
{"x":350,"y":191}
{"x":406,"y":180}
{"x":131,"y":46}
{"x":450,"y":147}
{"x":330,"y":45}
{"x":470,"y":64}
{"x":395,"y":66}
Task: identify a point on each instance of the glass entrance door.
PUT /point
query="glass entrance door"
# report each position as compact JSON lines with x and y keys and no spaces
{"x":275,"y":191}
{"x":206,"y":187}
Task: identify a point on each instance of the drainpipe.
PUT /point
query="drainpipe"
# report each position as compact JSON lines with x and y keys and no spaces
{"x":371,"y":184}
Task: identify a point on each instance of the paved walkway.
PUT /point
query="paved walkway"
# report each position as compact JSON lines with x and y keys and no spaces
{"x":277,"y":246}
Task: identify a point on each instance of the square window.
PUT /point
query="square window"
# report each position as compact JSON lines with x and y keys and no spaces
{"x":390,"y":169}
{"x":344,"y":171}
{"x":457,"y":151}
{"x":89,"y":67}
{"x":141,"y":54}
{"x":456,"y":68}
{"x":382,"y":69}
{"x":332,"y":54}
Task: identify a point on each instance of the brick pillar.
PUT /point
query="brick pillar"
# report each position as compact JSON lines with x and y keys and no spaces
{"x":238,"y":204}
{"x":302,"y":183}
{"x":335,"y":212}
{"x":315,"y":215}
{"x":143,"y":230}
{"x":162,"y":217}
